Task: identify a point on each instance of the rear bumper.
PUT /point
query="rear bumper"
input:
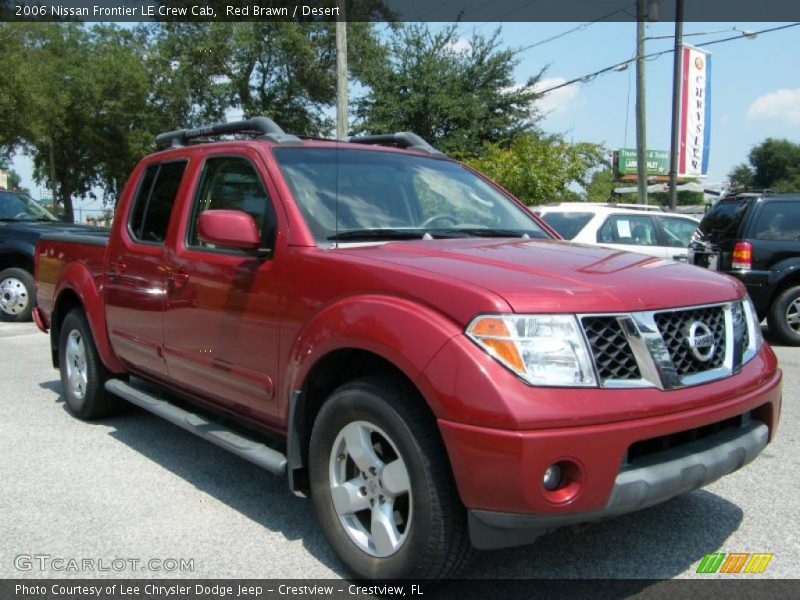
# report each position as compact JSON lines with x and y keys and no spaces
{"x":647,"y":483}
{"x":40,"y":319}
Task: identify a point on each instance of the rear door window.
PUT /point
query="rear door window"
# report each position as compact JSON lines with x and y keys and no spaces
{"x":778,"y":221}
{"x":567,"y":224}
{"x":154,"y":199}
{"x":632,"y":230}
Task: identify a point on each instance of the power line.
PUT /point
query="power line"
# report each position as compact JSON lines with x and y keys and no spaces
{"x":580,"y":27}
{"x":654,"y":55}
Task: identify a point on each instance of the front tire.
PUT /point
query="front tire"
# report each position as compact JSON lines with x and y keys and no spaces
{"x":382,"y":486}
{"x":83,"y":374}
{"x":17,"y":295}
{"x":784,"y":317}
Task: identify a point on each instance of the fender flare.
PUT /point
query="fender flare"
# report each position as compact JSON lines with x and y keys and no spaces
{"x":77,"y":279}
{"x":400,"y":331}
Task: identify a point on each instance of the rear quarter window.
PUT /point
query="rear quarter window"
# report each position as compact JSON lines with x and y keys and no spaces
{"x":567,"y":224}
{"x":779,"y":221}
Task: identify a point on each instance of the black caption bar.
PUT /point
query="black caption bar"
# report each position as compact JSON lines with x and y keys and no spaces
{"x":398,"y":10}
{"x":461,"y":589}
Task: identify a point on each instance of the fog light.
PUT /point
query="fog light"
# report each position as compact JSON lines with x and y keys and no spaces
{"x":552,"y":477}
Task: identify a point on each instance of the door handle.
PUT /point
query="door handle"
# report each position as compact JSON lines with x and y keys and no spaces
{"x":118,"y":266}
{"x":177,"y":280}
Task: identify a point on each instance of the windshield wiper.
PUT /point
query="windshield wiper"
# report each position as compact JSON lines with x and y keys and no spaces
{"x":484,"y":232}
{"x":377,"y":234}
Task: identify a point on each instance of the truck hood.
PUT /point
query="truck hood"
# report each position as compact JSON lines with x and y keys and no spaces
{"x":557,"y":276}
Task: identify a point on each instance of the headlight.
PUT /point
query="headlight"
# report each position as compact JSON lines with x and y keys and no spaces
{"x":753,"y":329}
{"x":541,"y":349}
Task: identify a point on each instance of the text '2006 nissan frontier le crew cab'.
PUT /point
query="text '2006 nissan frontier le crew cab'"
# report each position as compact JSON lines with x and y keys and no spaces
{"x":405,"y":342}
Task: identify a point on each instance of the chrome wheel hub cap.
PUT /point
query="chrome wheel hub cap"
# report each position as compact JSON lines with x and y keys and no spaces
{"x":75,"y":357}
{"x":793,"y":315}
{"x":13,"y":296}
{"x":370,"y":489}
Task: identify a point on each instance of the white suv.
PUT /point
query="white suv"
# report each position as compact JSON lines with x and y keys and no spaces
{"x":646,"y":230}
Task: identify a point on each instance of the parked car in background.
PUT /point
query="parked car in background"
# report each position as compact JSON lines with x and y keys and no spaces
{"x":645,"y":229}
{"x":22,"y":223}
{"x":756,"y":238}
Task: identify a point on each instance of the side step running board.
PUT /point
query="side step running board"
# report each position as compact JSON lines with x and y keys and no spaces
{"x":256,"y":452}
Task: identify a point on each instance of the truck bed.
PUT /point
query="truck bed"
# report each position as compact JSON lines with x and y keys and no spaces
{"x":59,"y":252}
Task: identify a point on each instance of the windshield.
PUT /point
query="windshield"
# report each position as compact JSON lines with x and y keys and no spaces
{"x":19,"y":207}
{"x":567,"y":224}
{"x":356,"y":195}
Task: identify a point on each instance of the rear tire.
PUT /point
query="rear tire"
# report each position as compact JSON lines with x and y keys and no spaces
{"x":17,"y":295}
{"x":395,"y":512}
{"x":784,"y":317}
{"x":83,"y":374}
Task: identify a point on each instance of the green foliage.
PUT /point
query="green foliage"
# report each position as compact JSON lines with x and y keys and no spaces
{"x":685,"y":198}
{"x":286,"y":71}
{"x":741,"y":176}
{"x":539,"y":168}
{"x":774,"y":164}
{"x":601,"y":186}
{"x":457,"y":94}
{"x":78,"y":96}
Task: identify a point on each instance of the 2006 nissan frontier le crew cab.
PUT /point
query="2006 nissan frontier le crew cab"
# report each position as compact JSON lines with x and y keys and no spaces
{"x":405,"y":342}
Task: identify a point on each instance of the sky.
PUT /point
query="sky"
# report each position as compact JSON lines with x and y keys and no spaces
{"x":755,"y":87}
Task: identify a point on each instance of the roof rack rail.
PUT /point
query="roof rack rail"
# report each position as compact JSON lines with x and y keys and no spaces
{"x":262,"y":127}
{"x":402,"y":139}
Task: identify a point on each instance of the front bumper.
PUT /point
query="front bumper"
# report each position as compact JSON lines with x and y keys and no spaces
{"x":499,"y":471}
{"x":649,"y":482}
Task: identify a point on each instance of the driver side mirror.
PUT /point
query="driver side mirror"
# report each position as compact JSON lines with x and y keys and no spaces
{"x":228,"y":229}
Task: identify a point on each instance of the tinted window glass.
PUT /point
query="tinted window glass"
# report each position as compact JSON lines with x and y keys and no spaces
{"x":678,"y":232}
{"x":341,"y":190}
{"x":142,"y":195}
{"x":725,"y":218}
{"x":567,"y":224}
{"x":151,"y":213}
{"x":232,"y":183}
{"x":779,"y":221}
{"x":628,"y":229}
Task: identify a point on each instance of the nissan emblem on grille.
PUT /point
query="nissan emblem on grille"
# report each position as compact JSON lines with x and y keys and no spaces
{"x":701,"y":341}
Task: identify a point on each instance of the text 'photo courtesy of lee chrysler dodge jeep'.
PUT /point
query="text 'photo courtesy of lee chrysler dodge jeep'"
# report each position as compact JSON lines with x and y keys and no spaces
{"x":405,"y":342}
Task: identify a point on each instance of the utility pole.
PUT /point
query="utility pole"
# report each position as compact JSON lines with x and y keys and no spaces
{"x":341,"y":73}
{"x":676,"y":106}
{"x":641,"y":114}
{"x":53,"y":175}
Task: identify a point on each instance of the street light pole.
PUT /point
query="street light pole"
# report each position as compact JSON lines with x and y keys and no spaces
{"x":341,"y":73}
{"x":676,"y":106}
{"x":641,"y":118}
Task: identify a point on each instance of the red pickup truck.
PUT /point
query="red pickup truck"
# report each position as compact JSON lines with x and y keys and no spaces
{"x":405,"y":342}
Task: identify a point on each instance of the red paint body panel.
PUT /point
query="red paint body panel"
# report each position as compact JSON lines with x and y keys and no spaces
{"x":241,"y":332}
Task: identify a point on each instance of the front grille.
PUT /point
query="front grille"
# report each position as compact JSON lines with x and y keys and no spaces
{"x":674,"y":329}
{"x":612,"y":354}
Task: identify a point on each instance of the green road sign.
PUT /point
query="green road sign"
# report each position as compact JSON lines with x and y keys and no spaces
{"x":657,"y":162}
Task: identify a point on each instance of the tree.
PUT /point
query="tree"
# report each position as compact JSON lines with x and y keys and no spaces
{"x":81,"y":97}
{"x":741,"y":177}
{"x":774,"y":164}
{"x":601,"y":186}
{"x":455,"y":93}
{"x":286,"y":71}
{"x":539,"y":168}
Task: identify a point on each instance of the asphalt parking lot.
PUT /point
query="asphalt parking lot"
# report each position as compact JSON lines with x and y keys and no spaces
{"x":138,"y":488}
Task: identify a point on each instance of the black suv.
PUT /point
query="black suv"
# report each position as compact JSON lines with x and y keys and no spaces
{"x":755,"y":237}
{"x":22,"y":223}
